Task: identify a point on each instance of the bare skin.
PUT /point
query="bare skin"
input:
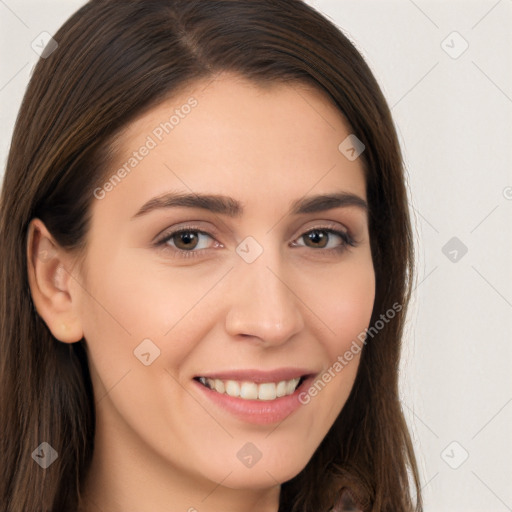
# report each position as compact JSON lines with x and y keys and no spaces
{"x":161,"y":443}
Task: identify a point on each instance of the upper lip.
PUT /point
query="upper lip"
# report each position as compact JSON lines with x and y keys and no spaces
{"x":259,"y":376}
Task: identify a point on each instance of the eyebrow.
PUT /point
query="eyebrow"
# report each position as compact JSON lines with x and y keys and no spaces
{"x":226,"y":205}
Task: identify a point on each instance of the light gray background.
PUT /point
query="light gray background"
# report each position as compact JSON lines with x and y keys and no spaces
{"x":454,"y":117}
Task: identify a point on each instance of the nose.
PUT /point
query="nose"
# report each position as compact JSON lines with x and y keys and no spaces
{"x":262,"y":302}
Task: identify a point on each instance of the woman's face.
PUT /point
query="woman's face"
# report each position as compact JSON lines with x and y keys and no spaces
{"x":244,"y":299}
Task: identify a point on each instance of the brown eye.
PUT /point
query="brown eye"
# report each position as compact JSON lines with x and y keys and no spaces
{"x":318,"y":238}
{"x":185,"y":240}
{"x":327,"y":239}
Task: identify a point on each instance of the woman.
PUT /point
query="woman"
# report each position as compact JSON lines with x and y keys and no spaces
{"x":206,"y":265}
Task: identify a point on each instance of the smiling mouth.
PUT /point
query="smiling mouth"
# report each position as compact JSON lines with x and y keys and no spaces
{"x":246,"y":390}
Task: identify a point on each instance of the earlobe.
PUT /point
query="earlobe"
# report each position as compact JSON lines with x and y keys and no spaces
{"x":49,"y":281}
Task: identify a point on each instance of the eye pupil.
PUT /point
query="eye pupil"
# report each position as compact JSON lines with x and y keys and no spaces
{"x":187,"y":239}
{"x":318,"y":236}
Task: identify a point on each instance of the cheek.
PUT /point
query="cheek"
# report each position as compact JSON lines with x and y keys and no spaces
{"x":344,"y":302}
{"x":126,"y":300}
{"x":140,"y":299}
{"x":351,"y":312}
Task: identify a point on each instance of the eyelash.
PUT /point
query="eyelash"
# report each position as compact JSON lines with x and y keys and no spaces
{"x":347,"y":240}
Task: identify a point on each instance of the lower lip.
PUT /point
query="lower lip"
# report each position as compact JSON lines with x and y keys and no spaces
{"x":259,"y":412}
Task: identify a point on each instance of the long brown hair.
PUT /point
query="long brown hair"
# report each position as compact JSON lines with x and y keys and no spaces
{"x":115,"y":60}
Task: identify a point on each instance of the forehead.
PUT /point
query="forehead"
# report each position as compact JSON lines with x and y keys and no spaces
{"x":228,"y":135}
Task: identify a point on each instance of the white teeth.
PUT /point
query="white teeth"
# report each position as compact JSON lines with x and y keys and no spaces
{"x":290,"y":387}
{"x":267,"y":391}
{"x":252,"y":390}
{"x":249,"y":391}
{"x":232,"y":388}
{"x":219,"y":386}
{"x":281,"y":389}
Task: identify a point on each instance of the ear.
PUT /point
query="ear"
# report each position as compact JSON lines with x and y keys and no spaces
{"x":50,"y":279}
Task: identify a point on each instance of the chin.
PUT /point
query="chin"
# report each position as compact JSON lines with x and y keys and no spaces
{"x":266,"y":472}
